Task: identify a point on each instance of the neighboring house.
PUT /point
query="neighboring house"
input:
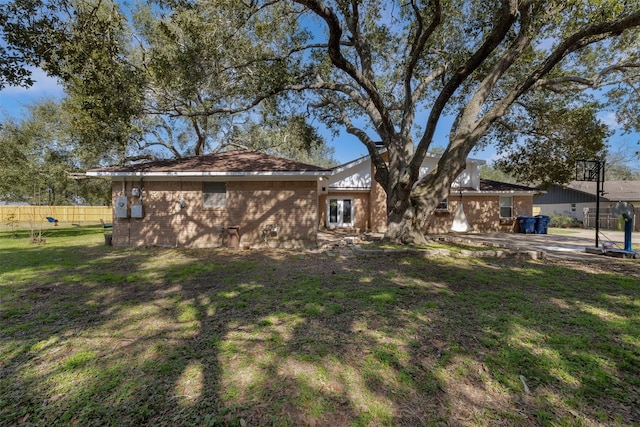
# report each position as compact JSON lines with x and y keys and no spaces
{"x":353,"y":199}
{"x":199,"y":201}
{"x":572,"y":199}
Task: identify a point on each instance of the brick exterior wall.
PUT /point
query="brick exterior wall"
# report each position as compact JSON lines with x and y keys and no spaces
{"x":291,"y":205}
{"x":483,"y":214}
{"x":361,"y":208}
{"x":378,"y":214}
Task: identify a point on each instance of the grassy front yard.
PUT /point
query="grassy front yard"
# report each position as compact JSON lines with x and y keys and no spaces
{"x":94,"y":335}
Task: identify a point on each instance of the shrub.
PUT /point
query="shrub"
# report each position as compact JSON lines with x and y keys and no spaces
{"x":562,"y":221}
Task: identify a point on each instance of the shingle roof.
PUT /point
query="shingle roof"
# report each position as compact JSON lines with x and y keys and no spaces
{"x":613,"y":190}
{"x":489,"y":185}
{"x":238,"y":161}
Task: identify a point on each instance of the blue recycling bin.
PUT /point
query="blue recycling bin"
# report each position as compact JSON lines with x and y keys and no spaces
{"x":542,"y":224}
{"x":527,"y":224}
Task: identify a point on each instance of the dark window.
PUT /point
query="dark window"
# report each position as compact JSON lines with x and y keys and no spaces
{"x":214,"y":195}
{"x":340,"y":212}
{"x":506,"y":207}
{"x":346,"y":211}
{"x":333,"y":211}
{"x":443,"y":205}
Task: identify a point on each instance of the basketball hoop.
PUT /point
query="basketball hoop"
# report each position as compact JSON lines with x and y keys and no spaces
{"x":592,"y":170}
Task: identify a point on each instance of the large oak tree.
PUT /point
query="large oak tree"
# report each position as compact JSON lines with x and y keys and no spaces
{"x":39,"y":163}
{"x":389,"y":71}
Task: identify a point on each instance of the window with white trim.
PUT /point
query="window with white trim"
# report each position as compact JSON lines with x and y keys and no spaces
{"x":443,"y":205}
{"x":506,"y":207}
{"x":214,"y":195}
{"x":339,"y":212}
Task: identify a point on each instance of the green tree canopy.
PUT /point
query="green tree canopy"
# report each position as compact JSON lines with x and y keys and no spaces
{"x":208,"y":65}
{"x":38,"y":160}
{"x":291,"y":138}
{"x":384,"y":71}
{"x":173,"y":79}
{"x":545,"y":144}
{"x":83,"y":43}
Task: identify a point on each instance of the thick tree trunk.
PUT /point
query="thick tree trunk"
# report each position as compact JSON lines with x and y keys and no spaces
{"x":408,"y":212}
{"x":409,"y":227}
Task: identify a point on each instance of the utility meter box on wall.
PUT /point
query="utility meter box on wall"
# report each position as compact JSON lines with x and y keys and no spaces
{"x":120,"y":208}
{"x":136,"y":211}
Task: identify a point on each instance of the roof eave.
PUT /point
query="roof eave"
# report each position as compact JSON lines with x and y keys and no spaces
{"x":345,"y":166}
{"x":498,"y":193}
{"x":207,"y":174}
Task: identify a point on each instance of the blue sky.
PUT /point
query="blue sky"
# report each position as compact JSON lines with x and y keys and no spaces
{"x":13,"y":101}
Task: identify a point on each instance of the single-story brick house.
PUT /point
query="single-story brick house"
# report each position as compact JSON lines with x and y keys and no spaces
{"x":203,"y":201}
{"x":194,"y":201}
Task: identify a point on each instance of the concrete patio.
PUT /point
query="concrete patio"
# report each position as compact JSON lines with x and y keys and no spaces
{"x":558,"y":243}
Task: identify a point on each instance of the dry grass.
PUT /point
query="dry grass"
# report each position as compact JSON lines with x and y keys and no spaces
{"x":92,"y":335}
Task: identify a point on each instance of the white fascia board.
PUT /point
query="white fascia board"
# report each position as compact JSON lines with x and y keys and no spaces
{"x":308,"y":174}
{"x":352,"y":189}
{"x":356,"y":162}
{"x":478,"y":162}
{"x":350,"y":165}
{"x":494,"y":193}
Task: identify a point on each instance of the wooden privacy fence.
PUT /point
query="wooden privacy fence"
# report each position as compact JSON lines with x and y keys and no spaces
{"x":608,"y":221}
{"x":64,"y":214}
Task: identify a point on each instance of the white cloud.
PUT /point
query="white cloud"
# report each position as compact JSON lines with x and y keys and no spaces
{"x":43,"y":86}
{"x":610,"y":120}
{"x":14,"y":100}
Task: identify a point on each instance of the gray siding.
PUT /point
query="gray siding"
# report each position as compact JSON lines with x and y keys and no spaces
{"x":558,"y":195}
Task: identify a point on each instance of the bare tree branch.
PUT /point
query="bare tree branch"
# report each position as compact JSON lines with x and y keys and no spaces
{"x":571,"y":83}
{"x":386,"y":127}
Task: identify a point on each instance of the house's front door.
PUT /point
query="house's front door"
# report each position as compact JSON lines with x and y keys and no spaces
{"x":339,"y":212}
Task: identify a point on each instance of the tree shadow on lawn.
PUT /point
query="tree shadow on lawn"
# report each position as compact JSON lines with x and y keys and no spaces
{"x":206,"y":337}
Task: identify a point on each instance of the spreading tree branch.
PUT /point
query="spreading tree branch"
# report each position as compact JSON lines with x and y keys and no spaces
{"x":578,"y":40}
{"x":508,"y":16}
{"x":420,"y":39}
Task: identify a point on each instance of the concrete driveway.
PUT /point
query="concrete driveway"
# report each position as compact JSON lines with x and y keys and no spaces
{"x":564,"y":243}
